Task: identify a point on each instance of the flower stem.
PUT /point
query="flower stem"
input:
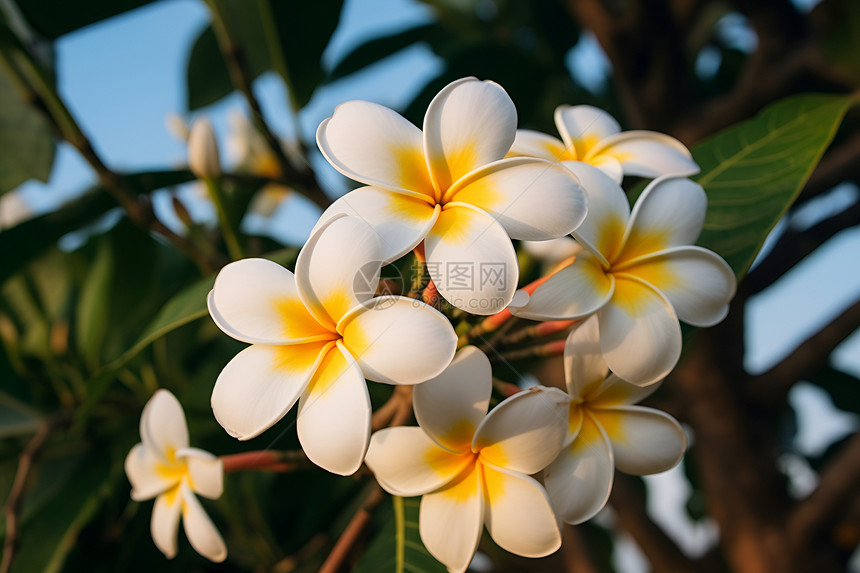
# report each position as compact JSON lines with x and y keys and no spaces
{"x":227,"y":227}
{"x":265,"y":461}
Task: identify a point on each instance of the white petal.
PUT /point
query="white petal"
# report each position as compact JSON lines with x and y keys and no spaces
{"x":261,"y":384}
{"x":205,"y":470}
{"x":579,"y":480}
{"x":526,"y":431}
{"x":162,"y":426}
{"x":608,"y":211}
{"x":141,"y":469}
{"x":644,"y":440}
{"x":553,"y":251}
{"x":165,"y":521}
{"x":471,"y":260}
{"x":407,"y":462}
{"x":338,"y":268}
{"x":617,"y":392}
{"x":200,"y":530}
{"x":647,"y":154}
{"x":451,"y":520}
{"x":375,"y":145}
{"x":532,"y":199}
{"x":530,"y":143}
{"x":609,"y":165}
{"x":697,"y":282}
{"x":584,"y":366}
{"x":583,"y":126}
{"x":399,"y":340}
{"x":518,"y":514}
{"x":468,"y":124}
{"x":256,"y":301}
{"x":400,"y":221}
{"x":575,"y":291}
{"x":669,"y":213}
{"x":639,"y":332}
{"x":450,"y":406}
{"x":334,"y":414}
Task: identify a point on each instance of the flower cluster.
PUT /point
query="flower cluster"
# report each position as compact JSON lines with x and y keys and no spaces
{"x":457,"y":192}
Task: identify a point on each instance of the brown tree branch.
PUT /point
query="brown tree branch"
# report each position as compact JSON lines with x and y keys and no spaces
{"x":353,"y":530}
{"x":794,"y":245}
{"x":838,"y":484}
{"x":810,"y":355}
{"x":575,"y":551}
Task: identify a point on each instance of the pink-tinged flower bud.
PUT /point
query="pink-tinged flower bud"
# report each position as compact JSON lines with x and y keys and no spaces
{"x":203,"y":151}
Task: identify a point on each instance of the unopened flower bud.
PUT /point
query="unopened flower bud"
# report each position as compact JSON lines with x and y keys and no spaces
{"x":203,"y":151}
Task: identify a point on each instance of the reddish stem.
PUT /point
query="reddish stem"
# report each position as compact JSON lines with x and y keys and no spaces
{"x":265,"y":460}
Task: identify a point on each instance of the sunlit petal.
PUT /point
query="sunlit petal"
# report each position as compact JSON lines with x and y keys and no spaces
{"x":609,"y":165}
{"x":206,"y":472}
{"x":399,"y":340}
{"x":617,"y":392}
{"x":669,"y":213}
{"x":575,"y":291}
{"x":450,"y":406}
{"x":400,"y":221}
{"x":199,"y":529}
{"x":647,"y":154}
{"x":530,"y":143}
{"x":644,"y":441}
{"x":338,"y":268}
{"x":583,"y":126}
{"x":526,"y":431}
{"x":261,"y":384}
{"x":407,"y":462}
{"x":165,"y":521}
{"x":256,"y":301}
{"x":639,"y":332}
{"x":532,"y":199}
{"x":518,"y":514}
{"x":375,"y":145}
{"x":698,"y":282}
{"x":468,"y":124}
{"x":471,"y":260}
{"x":141,"y":469}
{"x":334,"y":414}
{"x":584,"y":366}
{"x":451,"y":520}
{"x":578,"y":482}
{"x":608,"y":211}
{"x":162,"y":425}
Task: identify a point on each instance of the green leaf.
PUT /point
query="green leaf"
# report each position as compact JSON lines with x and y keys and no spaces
{"x":753,"y":172}
{"x":53,"y":18}
{"x":16,"y":418}
{"x":26,"y":145}
{"x":23,"y":242}
{"x":398,"y":547}
{"x":93,"y":304}
{"x":379,"y":49}
{"x":844,"y":389}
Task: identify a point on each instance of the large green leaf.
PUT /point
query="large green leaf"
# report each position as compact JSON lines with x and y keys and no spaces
{"x":380,"y":48}
{"x":26,"y":145}
{"x":53,"y":18}
{"x":398,"y":547}
{"x":753,"y":172}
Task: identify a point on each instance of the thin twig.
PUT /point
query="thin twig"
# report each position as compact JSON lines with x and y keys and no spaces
{"x":353,"y":530}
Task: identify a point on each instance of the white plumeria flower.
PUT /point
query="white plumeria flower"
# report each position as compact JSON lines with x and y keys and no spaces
{"x":164,"y":467}
{"x":591,"y":135}
{"x":315,"y":336}
{"x":451,"y":187}
{"x":473,"y":468}
{"x":605,"y":431}
{"x":639,"y":272}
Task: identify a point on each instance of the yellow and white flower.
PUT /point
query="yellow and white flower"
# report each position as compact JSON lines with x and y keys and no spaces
{"x":164,"y":467}
{"x":605,"y":431}
{"x":315,"y":336}
{"x":451,"y":187}
{"x":473,"y":468}
{"x":639,"y":272}
{"x":592,"y":136}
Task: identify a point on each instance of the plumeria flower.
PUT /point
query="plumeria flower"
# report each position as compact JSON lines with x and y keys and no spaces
{"x":639,"y":272}
{"x":592,"y":136}
{"x":315,"y":336}
{"x":605,"y":431}
{"x":473,"y":468}
{"x":451,"y":188}
{"x":164,"y":467}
